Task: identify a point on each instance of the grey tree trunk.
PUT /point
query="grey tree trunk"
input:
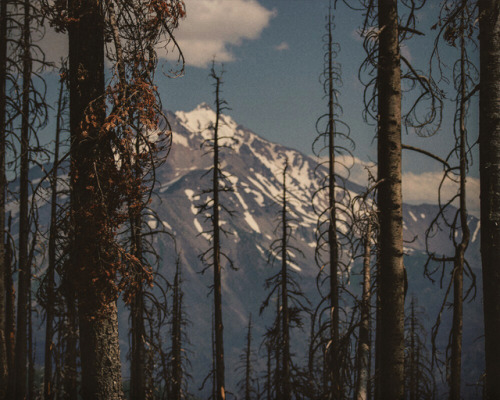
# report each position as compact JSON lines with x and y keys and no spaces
{"x":489,"y":153}
{"x":391,"y":275}
{"x":363,"y":361}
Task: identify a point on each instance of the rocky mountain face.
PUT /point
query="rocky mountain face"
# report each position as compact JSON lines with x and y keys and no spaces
{"x":254,"y":166}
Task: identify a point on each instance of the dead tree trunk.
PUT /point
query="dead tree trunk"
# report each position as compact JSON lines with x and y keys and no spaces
{"x":10,"y":313}
{"x":71,"y":342}
{"x":333,"y":245}
{"x":248,"y":361}
{"x":391,"y":276}
{"x":24,"y":267}
{"x":177,"y":336}
{"x":48,"y":383}
{"x":459,"y":262}
{"x":219,"y":341}
{"x":489,"y":152}
{"x":4,"y":370}
{"x":363,"y":361}
{"x":285,"y":318}
{"x":97,"y":311}
{"x":138,"y":379}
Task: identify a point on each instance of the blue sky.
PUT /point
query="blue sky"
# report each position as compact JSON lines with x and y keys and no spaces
{"x":271,"y":79}
{"x":272,"y":52}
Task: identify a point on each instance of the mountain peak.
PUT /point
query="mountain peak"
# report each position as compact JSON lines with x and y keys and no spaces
{"x":203,"y":106}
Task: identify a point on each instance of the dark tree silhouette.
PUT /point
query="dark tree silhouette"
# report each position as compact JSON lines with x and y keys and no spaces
{"x":419,"y":376}
{"x":332,"y":209}
{"x":100,"y":184}
{"x":456,"y":24}
{"x":489,"y":165}
{"x":4,"y":366}
{"x":247,"y":365}
{"x":292,"y":302}
{"x":212,"y":207}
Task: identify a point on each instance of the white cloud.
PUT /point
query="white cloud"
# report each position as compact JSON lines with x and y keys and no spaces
{"x":282,"y":46}
{"x":405,"y":52}
{"x":419,"y":188}
{"x":423,"y":188}
{"x":211,"y":27}
{"x":209,"y":31}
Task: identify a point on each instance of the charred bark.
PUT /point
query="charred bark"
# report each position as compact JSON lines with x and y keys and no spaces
{"x":489,"y":152}
{"x":97,"y":311}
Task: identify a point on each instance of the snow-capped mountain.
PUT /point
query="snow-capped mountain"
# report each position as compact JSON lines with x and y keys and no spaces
{"x":254,"y":166}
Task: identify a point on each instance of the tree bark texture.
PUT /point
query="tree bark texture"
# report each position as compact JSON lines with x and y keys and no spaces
{"x":363,"y":357}
{"x":391,"y":278}
{"x":98,"y":323}
{"x":489,"y":154}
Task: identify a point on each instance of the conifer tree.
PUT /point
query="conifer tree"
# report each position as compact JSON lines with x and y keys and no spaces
{"x":212,"y":208}
{"x":247,"y":361}
{"x":292,"y":302}
{"x":331,"y":244}
{"x":419,"y":376}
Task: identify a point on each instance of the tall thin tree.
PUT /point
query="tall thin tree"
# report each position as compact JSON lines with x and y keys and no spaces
{"x":391,"y":275}
{"x":4,"y":371}
{"x":333,"y":139}
{"x":489,"y":166}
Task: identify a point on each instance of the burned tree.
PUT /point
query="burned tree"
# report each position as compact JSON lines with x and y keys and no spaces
{"x":456,"y":28}
{"x":385,"y":68}
{"x":419,"y":376}
{"x":212,"y":208}
{"x":489,"y":165}
{"x":291,"y":300}
{"x":331,"y":205}
{"x":100,"y":185}
{"x":247,"y":365}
